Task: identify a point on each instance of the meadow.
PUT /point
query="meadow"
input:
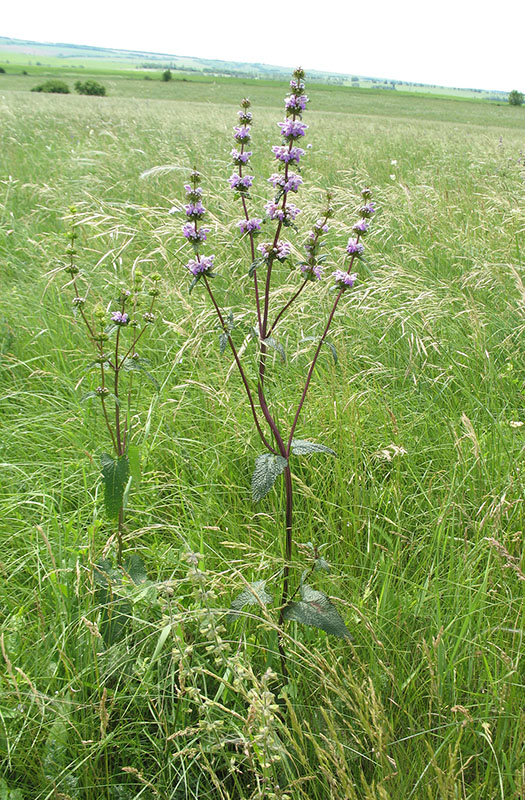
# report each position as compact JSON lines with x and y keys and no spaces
{"x":421,"y":513}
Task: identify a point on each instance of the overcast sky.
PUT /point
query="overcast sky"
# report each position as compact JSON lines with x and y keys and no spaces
{"x":462,"y":43}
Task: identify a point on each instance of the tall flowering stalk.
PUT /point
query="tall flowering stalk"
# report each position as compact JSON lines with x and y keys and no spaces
{"x":314,"y":608}
{"x":114,"y":333}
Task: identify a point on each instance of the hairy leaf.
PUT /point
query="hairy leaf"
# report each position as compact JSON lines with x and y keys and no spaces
{"x":271,"y":342}
{"x":115,"y":474}
{"x":317,"y":610}
{"x":194,"y":282}
{"x":137,"y":364}
{"x":134,"y":463}
{"x":253,"y":596}
{"x":136,"y":569}
{"x":116,"y":611}
{"x":326,"y":342}
{"x":300,"y":447}
{"x":223,"y":342}
{"x":268,"y":467}
{"x":257,"y":263}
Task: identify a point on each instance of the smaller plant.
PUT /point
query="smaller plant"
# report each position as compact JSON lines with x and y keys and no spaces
{"x":90,"y":87}
{"x":166,"y":75}
{"x":516,"y":98}
{"x":2,"y":71}
{"x":53,"y":86}
{"x":114,"y":330}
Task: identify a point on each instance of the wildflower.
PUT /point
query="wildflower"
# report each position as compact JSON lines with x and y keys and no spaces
{"x":344,"y":280}
{"x":295,"y":103}
{"x":193,"y":235}
{"x":148,"y":317}
{"x":239,"y":158}
{"x":120,"y":318}
{"x":361,"y":226}
{"x":354,"y":247}
{"x":313,"y":272}
{"x":287,"y":214}
{"x":79,"y":301}
{"x":368,"y":210}
{"x":193,"y":192}
{"x":287,"y":185}
{"x":366,"y":193}
{"x":240,"y":183}
{"x":102,"y":391}
{"x":296,"y":85}
{"x":195,"y":210}
{"x":245,"y":117}
{"x":242,"y":133}
{"x":320,"y":225}
{"x":201,"y":265}
{"x":292,"y":129}
{"x":250,"y":225}
{"x":286,"y":154}
{"x":280,"y":251}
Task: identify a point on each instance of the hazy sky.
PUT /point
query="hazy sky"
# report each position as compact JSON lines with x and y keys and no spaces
{"x":451,"y":42}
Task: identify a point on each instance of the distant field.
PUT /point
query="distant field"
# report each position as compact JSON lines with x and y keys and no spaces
{"x":64,"y":57}
{"x":421,"y":513}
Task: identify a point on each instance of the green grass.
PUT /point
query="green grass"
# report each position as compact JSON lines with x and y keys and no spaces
{"x":427,"y":702}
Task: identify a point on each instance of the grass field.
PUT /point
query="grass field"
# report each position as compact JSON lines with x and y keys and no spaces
{"x":424,"y":538}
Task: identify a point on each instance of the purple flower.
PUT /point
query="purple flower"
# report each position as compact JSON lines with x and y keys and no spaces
{"x":289,"y":213}
{"x":312,"y":272}
{"x":290,"y":185}
{"x":242,"y":133}
{"x":240,"y":183}
{"x":320,"y":225}
{"x":120,"y":318}
{"x":354,"y":247}
{"x":199,"y":266}
{"x":193,"y":235}
{"x":196,"y":191}
{"x":366,"y":193}
{"x":368,"y":210}
{"x":344,"y":280}
{"x":296,"y":84}
{"x":195,"y":210}
{"x":245,"y":117}
{"x":250,"y":225}
{"x":280,"y":251}
{"x":287,"y":154}
{"x":296,"y":103}
{"x":361,"y":226}
{"x":292,"y":129}
{"x":240,"y":158}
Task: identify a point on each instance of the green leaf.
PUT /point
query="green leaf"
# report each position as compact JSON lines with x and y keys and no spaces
{"x":317,"y":610}
{"x":223,"y":342}
{"x":194,"y":282}
{"x":268,"y":467}
{"x":115,"y":474}
{"x":116,"y":611}
{"x":88,"y":396}
{"x":134,"y":463}
{"x":326,"y":342}
{"x":136,"y":569}
{"x":135,"y":363}
{"x":271,"y":342}
{"x":300,"y":447}
{"x":321,"y":564}
{"x":253,"y":596}
{"x":257,"y":263}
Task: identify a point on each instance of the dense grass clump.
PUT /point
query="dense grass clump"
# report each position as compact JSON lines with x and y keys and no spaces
{"x":134,"y":683}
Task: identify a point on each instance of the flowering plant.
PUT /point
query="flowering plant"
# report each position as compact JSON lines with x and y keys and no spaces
{"x":114,"y":332}
{"x":314,"y":608}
